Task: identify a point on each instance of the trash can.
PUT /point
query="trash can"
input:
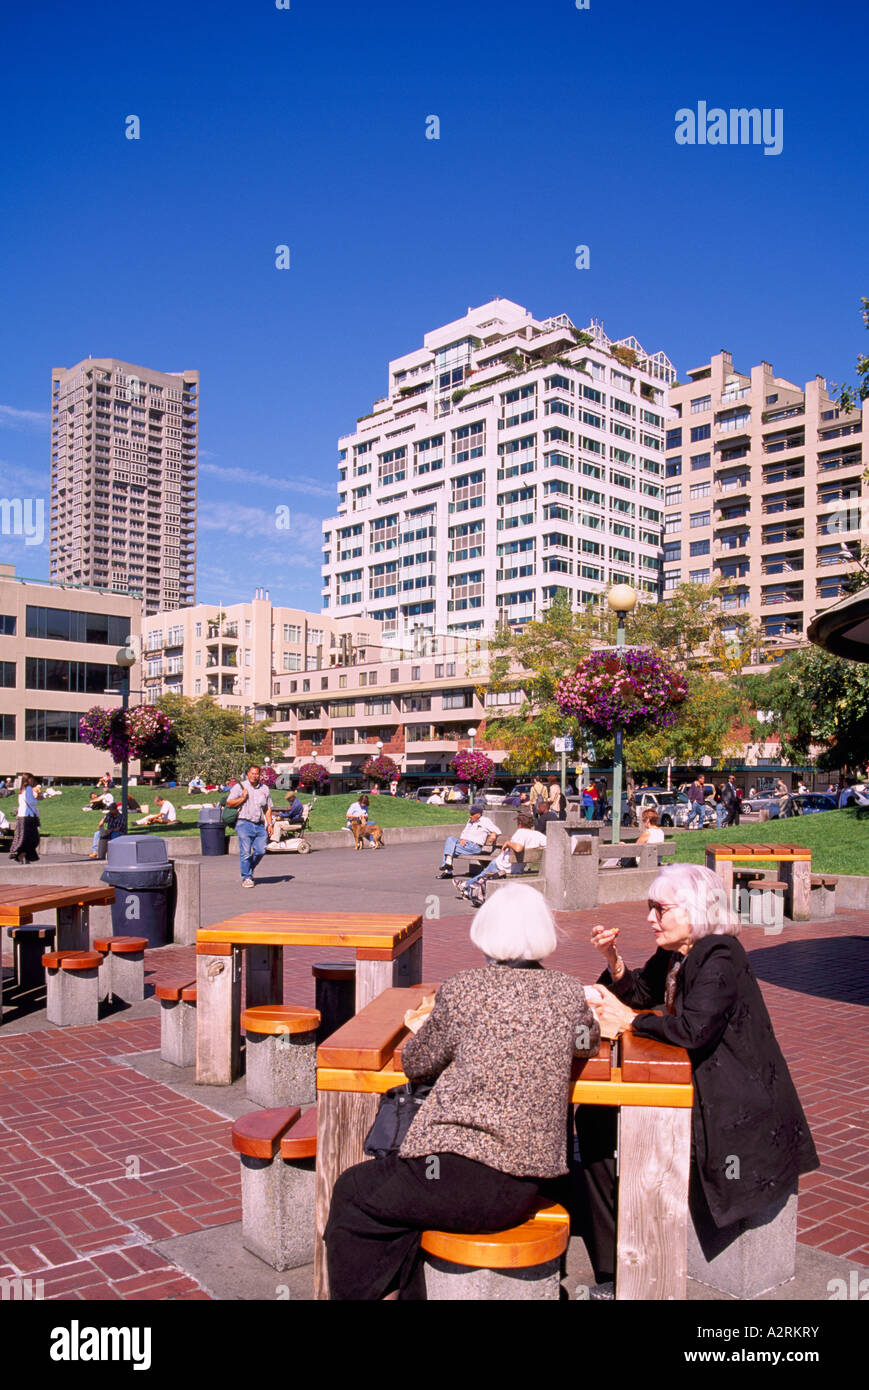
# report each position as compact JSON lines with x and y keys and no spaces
{"x":335,"y":990}
{"x":142,"y":875}
{"x":212,"y":832}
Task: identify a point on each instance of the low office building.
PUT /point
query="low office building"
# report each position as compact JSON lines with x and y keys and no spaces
{"x":244,"y":654}
{"x":57,"y":659}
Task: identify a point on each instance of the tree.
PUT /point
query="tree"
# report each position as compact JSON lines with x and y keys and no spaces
{"x":818,"y":698}
{"x":210,"y":739}
{"x":849,"y":398}
{"x":688,"y":628}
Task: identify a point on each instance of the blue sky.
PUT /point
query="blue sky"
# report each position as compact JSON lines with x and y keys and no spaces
{"x":306,"y":127}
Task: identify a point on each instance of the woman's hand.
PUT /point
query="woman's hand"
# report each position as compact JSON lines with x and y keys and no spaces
{"x":613,"y":1016}
{"x":604,"y":938}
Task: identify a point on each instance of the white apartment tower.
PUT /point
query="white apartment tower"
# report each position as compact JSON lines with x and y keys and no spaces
{"x":123,"y":480}
{"x":511,"y":458}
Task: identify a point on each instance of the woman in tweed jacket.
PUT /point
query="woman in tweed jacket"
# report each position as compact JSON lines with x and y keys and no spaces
{"x":499,"y":1045}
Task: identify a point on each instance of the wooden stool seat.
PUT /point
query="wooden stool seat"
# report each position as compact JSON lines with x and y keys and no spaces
{"x":121,"y":945}
{"x":824,"y":880}
{"x":277,"y":1019}
{"x":172,"y":990}
{"x":771,"y":883}
{"x":300,"y":1140}
{"x":543,"y":1237}
{"x":258,"y":1134}
{"x":337,"y":970}
{"x":71,"y":960}
{"x":32,"y":933}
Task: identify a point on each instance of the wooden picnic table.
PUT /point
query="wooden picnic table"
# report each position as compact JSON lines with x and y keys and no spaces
{"x":388,"y":950}
{"x":651,"y":1084}
{"x":19,"y":902}
{"x":794,"y":863}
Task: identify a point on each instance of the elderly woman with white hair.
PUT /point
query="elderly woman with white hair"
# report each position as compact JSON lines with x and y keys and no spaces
{"x":498,"y":1046}
{"x":750,"y":1138}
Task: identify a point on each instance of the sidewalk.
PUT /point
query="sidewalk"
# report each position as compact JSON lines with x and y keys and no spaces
{"x":118,"y":1182}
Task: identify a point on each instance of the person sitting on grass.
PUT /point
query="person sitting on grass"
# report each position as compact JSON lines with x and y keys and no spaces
{"x":479,"y":833}
{"x":524,"y":837}
{"x":99,"y":801}
{"x":109,"y":828}
{"x":195,"y":785}
{"x":165,"y":815}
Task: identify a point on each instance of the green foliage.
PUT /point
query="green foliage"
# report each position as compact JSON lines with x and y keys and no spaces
{"x":210,"y":739}
{"x":818,"y":698}
{"x":849,"y":398}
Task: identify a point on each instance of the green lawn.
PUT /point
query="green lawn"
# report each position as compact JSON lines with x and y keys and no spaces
{"x":63,"y":815}
{"x":838,"y":841}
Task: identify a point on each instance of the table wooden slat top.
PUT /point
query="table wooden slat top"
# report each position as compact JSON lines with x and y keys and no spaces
{"x":278,"y":928}
{"x":782,"y":853}
{"x":19,"y":901}
{"x":364,"y":1055}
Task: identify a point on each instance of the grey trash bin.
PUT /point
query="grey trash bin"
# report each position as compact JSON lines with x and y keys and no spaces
{"x":142,"y":875}
{"x":212,"y":832}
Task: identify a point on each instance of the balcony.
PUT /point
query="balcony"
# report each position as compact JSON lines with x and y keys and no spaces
{"x":786,"y":596}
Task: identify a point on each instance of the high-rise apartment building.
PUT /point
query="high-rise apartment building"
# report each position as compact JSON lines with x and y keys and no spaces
{"x":764,"y":486}
{"x":247,"y":654}
{"x":512,"y":458}
{"x":123,"y":480}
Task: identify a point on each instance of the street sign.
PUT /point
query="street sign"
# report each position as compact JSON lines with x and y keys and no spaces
{"x":568,"y":744}
{"x":563,"y":745}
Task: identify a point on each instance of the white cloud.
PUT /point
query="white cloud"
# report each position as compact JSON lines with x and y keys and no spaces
{"x":254,"y":478}
{"x":13,"y":419}
{"x":15,"y":477}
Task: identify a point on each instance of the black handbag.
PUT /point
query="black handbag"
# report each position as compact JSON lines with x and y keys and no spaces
{"x":396,"y":1113}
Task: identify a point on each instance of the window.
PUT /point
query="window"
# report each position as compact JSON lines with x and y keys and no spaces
{"x":672,"y":495}
{"x":64,"y":625}
{"x":50,"y":726}
{"x":700,"y":547}
{"x":674,"y":439}
{"x":197,"y":630}
{"x":7,"y":674}
{"x":458,"y":699}
{"x":339,"y":709}
{"x":415,"y":673}
{"x":671,"y":579}
{"x":292,"y":661}
{"x":672,"y":551}
{"x":700,"y":518}
{"x":698,"y":576}
{"x":324,"y":682}
{"x":700,"y":403}
{"x":342,"y":682}
{"x":699,"y":490}
{"x":342,"y":736}
{"x":197,"y":687}
{"x":673,"y":468}
{"x":393,"y":674}
{"x":700,"y":461}
{"x":413,"y":704}
{"x":292,"y":633}
{"x":673,"y":522}
{"x":699,"y":432}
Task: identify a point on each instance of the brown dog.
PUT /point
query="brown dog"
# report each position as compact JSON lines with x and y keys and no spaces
{"x":362,"y":831}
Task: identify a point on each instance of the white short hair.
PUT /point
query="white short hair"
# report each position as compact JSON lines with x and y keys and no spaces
{"x":515,"y":924}
{"x":703,"y":896}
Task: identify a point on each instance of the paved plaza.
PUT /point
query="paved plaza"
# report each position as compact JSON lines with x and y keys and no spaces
{"x":117,"y":1179}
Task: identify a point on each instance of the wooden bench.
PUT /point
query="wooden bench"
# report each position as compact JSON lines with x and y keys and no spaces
{"x":122,"y":973}
{"x":72,"y":987}
{"x":521,"y":1263}
{"x":29,"y":943}
{"x":280,"y":1054}
{"x":278,"y":1148}
{"x":177,"y":1022}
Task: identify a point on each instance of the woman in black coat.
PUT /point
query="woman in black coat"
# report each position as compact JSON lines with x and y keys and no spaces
{"x":750,"y":1138}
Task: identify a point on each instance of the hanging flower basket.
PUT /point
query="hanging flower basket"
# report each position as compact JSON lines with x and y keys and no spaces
{"x":143,"y":732}
{"x":268,"y":776}
{"x":312,"y":775}
{"x":472,"y":766}
{"x":628,"y":689}
{"x":381,"y":769}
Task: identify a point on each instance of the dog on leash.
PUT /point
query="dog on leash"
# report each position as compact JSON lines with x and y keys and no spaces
{"x":362,"y":831}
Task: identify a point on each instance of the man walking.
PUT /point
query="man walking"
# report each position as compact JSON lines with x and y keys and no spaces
{"x":254,"y":824}
{"x":730,"y":801}
{"x":697,"y":797}
{"x":477,"y":834}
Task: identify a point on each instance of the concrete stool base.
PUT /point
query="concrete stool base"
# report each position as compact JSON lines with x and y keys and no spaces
{"x":72,"y":997}
{"x":446,"y":1282}
{"x":128,"y":976}
{"x":277,"y":1199}
{"x":823,"y":902}
{"x":281,"y":1069}
{"x":29,"y":944}
{"x":766,"y":908}
{"x":178,"y":1032}
{"x":749,"y":1257}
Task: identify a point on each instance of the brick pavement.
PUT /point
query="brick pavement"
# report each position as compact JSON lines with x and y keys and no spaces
{"x":98,"y":1161}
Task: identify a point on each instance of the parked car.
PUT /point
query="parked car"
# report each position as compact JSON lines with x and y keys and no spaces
{"x":763,"y":801}
{"x":457,"y":794}
{"x":672,"y":807}
{"x":512,"y":797}
{"x":708,"y":789}
{"x":491,"y":796}
{"x":810,"y":803}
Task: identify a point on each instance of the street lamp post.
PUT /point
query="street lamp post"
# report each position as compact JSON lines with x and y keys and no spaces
{"x":472,"y":734}
{"x":622,"y":599}
{"x":125,"y":657}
